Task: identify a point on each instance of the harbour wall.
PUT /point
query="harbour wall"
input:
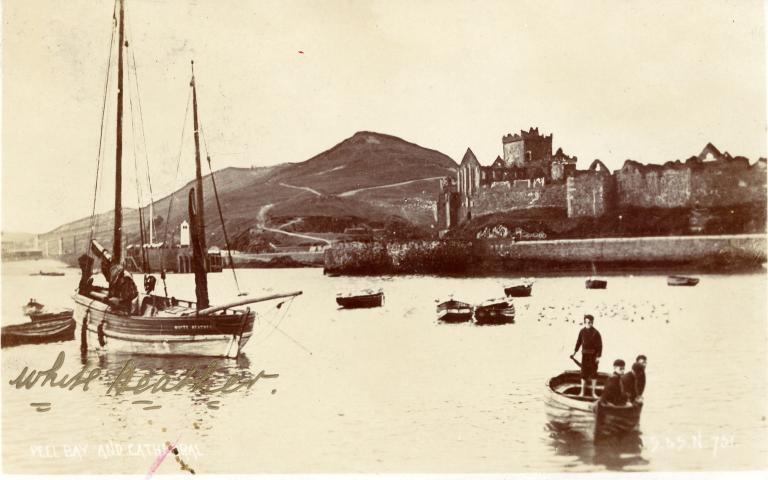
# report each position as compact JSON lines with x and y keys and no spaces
{"x":688,"y":253}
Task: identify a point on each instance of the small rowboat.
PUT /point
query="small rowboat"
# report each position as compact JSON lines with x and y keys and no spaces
{"x":453,"y":311}
{"x":594,"y":283}
{"x":566,"y":409}
{"x":39,"y":313}
{"x":39,"y":331}
{"x":364,"y":299}
{"x":678,"y":281}
{"x":48,"y":274}
{"x":48,"y":316}
{"x":521,"y":290}
{"x":495,"y":312}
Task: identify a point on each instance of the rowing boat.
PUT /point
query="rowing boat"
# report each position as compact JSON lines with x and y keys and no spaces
{"x":566,"y":409}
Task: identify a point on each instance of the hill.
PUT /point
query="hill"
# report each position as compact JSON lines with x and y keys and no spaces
{"x":370,"y":179}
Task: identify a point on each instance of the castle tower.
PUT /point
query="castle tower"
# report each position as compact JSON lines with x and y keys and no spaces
{"x":527,"y":149}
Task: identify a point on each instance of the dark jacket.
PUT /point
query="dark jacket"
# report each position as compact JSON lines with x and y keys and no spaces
{"x":629,"y":383}
{"x":613,"y":391}
{"x":639,"y":372}
{"x":590,"y":341}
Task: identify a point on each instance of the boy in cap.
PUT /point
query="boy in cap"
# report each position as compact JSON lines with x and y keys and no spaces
{"x":591,"y":344}
{"x":613,"y":392}
{"x":634,"y":380}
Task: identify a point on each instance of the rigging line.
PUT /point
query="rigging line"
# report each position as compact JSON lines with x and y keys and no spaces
{"x":142,"y":238}
{"x":173,"y":194}
{"x":280,"y":316}
{"x":218,"y":206}
{"x":141,"y":124}
{"x":94,"y":220}
{"x":285,"y":333}
{"x":221,"y":217}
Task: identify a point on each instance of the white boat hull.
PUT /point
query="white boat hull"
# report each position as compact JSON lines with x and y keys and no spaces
{"x":99,"y":336}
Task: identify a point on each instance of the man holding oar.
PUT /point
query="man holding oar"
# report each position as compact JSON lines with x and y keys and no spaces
{"x":591,"y":344}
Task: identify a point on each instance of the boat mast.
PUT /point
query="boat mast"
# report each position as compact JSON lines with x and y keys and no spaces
{"x":151,"y":223}
{"x":198,"y":168}
{"x":117,"y":243}
{"x":199,"y":250}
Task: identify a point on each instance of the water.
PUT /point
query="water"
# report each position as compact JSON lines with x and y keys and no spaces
{"x":389,"y":390}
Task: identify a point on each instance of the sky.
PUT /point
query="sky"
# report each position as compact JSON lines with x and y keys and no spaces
{"x":282,"y":81}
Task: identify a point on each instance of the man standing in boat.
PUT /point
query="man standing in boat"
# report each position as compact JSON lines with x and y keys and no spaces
{"x":591,"y":344}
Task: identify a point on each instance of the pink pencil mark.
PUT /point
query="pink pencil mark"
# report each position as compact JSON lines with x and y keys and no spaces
{"x":168,"y":449}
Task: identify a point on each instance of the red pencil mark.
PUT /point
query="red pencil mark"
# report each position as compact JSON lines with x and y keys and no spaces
{"x":168,"y":449}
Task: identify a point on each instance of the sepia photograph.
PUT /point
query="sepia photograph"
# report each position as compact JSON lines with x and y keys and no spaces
{"x":383,"y":237}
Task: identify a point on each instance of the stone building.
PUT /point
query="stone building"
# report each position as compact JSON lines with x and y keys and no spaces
{"x":448,"y":205}
{"x":530,"y":176}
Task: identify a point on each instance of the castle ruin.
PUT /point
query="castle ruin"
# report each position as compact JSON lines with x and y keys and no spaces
{"x":530,"y":176}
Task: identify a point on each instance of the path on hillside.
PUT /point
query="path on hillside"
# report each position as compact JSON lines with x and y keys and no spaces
{"x":352,"y":192}
{"x":306,"y":189}
{"x":261,"y":222}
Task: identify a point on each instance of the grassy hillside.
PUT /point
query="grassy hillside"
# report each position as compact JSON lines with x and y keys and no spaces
{"x":367,"y":179}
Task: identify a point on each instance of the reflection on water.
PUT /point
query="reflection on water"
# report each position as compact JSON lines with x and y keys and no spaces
{"x":390,"y":390}
{"x":615,"y":453}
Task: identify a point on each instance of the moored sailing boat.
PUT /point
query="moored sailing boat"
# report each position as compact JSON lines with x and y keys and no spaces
{"x":118,"y":318}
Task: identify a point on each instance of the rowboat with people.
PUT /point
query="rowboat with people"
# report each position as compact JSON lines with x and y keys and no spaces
{"x":567,"y":409}
{"x":45,"y":326}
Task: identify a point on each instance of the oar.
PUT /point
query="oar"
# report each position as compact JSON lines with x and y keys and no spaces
{"x":575,"y":361}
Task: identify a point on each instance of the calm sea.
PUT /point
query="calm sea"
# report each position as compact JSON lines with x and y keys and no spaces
{"x":390,"y":390}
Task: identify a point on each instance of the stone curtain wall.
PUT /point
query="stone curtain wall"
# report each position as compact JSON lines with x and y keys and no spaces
{"x":713,"y":187}
{"x":656,"y":188}
{"x":484,"y":256}
{"x":710,"y":185}
{"x":636,"y":250}
{"x":588,"y":195}
{"x":502,"y":197}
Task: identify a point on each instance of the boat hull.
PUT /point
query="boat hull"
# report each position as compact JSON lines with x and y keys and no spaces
{"x":494,"y":316}
{"x":596,"y":284}
{"x":453,"y":311}
{"x":361,"y":301}
{"x":50,"y":316}
{"x":454,"y":317}
{"x":566,"y":410}
{"x":518,"y":291}
{"x":102,"y":328}
{"x":682,"y":281}
{"x":46,"y":331}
